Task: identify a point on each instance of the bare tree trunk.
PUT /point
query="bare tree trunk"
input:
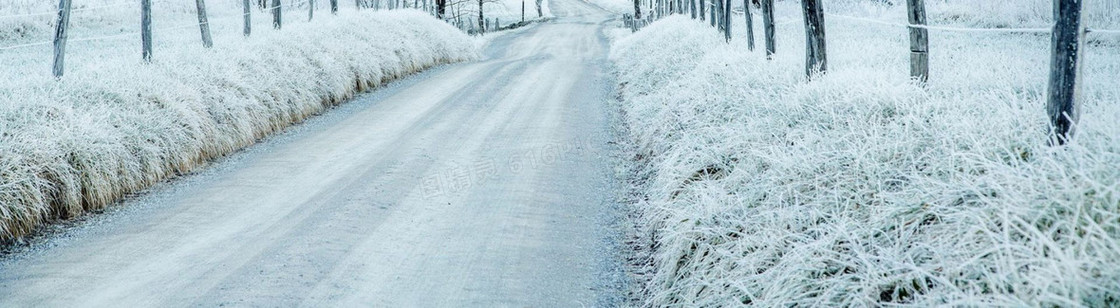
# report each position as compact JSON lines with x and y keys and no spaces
{"x":276,"y":22}
{"x":481,"y":19}
{"x":768,"y":27}
{"x":750,"y":24}
{"x":703,"y":10}
{"x":637,"y":9}
{"x":713,"y":10}
{"x":727,"y":20}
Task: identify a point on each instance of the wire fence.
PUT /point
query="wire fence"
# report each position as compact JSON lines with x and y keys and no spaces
{"x":1067,"y":32}
{"x":121,"y":35}
{"x":461,"y":21}
{"x":92,"y":8}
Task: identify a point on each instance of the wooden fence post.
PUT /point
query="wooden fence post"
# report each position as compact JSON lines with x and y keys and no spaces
{"x":816,"y":56}
{"x":522,"y":11}
{"x":276,"y":21}
{"x":203,"y":24}
{"x":146,"y":29}
{"x":60,"y":33}
{"x":768,"y":26}
{"x":334,"y":6}
{"x":247,"y":15}
{"x":919,"y":41}
{"x":310,"y":10}
{"x":750,"y":24}
{"x":1065,"y":69}
{"x":726,"y":20}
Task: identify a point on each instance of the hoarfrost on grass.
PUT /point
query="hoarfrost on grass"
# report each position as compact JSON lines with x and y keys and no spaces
{"x":863,"y":188}
{"x":114,"y":125}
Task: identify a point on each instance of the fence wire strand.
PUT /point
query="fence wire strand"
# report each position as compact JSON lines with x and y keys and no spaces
{"x":942,"y":28}
{"x":122,"y":35}
{"x":104,"y":37}
{"x":961,"y":29}
{"x":55,"y":12}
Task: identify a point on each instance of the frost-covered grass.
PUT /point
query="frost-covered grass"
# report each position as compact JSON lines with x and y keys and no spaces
{"x":861,"y":188}
{"x":114,"y":125}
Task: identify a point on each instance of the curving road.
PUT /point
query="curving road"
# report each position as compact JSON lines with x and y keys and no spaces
{"x":477,"y":184}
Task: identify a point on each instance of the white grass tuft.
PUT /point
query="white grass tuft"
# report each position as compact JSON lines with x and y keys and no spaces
{"x":114,"y":125}
{"x":862,"y":188}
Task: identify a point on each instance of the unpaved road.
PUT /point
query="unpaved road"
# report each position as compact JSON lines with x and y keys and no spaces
{"x":478,"y":184}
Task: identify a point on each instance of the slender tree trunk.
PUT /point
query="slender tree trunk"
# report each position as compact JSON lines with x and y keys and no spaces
{"x":276,"y":22}
{"x":768,"y":26}
{"x":713,"y":11}
{"x":750,"y":24}
{"x":703,"y":10}
{"x":727,"y":20}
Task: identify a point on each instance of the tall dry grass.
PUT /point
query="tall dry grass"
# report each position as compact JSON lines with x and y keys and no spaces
{"x":114,"y":125}
{"x":758,"y":187}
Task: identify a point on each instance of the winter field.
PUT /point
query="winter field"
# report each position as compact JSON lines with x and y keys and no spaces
{"x":615,"y":6}
{"x":114,"y":125}
{"x":862,"y":188}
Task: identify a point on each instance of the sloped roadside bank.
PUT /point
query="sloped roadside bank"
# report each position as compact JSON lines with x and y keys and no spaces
{"x":753,"y":186}
{"x":78,"y":144}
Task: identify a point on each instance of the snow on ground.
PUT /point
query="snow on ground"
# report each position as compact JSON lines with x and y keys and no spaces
{"x":863,"y":188}
{"x":615,"y":6}
{"x":114,"y":125}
